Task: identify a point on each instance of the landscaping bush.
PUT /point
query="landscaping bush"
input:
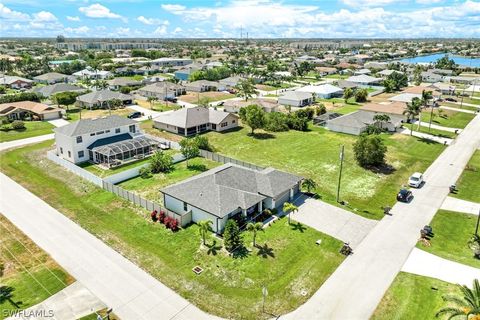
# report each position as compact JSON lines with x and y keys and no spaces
{"x":145,"y":172}
{"x":24,"y":96}
{"x":202,"y":143}
{"x":18,"y":125}
{"x":297,"y":122}
{"x":231,"y":237}
{"x":154,"y":216}
{"x":161,"y":162}
{"x":369,"y":150}
{"x":161,"y":217}
{"x":276,"y":122}
{"x":305,"y":113}
{"x":321,"y":109}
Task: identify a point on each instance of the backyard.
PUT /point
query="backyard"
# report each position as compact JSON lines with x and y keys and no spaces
{"x":27,"y":270}
{"x":469,"y":183}
{"x":452,"y":232}
{"x":413,"y":297}
{"x":228,"y":287}
{"x":212,"y":96}
{"x":315,"y":154}
{"x":32,"y":129}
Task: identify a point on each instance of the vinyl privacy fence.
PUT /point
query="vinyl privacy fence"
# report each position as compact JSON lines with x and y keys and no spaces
{"x":223,"y":159}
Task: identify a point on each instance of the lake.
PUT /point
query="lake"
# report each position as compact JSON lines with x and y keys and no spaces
{"x":463,"y":61}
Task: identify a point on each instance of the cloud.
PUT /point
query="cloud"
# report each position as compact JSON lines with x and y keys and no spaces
{"x":161,"y":31}
{"x":173,"y":8}
{"x":44,"y":16}
{"x":79,"y":30}
{"x":76,"y":18}
{"x":8,"y":14}
{"x":152,"y":21}
{"x":98,"y":11}
{"x":178,"y":30}
{"x":370,"y":3}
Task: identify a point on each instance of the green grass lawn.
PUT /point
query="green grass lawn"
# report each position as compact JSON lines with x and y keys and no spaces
{"x":287,"y":260}
{"x":44,"y":277}
{"x":336,"y":76}
{"x":103,"y":313}
{"x":347,"y":108}
{"x":315,"y":154}
{"x":452,"y":231}
{"x":451,"y":119}
{"x":469,"y":183}
{"x":413,"y":297}
{"x":432,"y":131}
{"x":148,"y":188}
{"x":457,"y":106}
{"x":32,"y":129}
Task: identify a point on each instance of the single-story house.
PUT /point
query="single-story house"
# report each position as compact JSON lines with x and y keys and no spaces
{"x":463,"y":79}
{"x":28,"y":109}
{"x":234,"y":106}
{"x":356,"y":122}
{"x":419,"y":89}
{"x":168,"y":62}
{"x":376,"y":65}
{"x":324,"y":91}
{"x":92,"y":74}
{"x":107,"y":140}
{"x":15,"y":82}
{"x":405,"y":97}
{"x":428,"y":76}
{"x":162,"y":90}
{"x":364,"y":80}
{"x":361,"y":71}
{"x":191,"y":121}
{"x":52,"y":89}
{"x":230,"y":192}
{"x":346,"y":84}
{"x":117,"y":83}
{"x":296,"y":99}
{"x":203,"y":85}
{"x":100,"y":99}
{"x":231,"y":82}
{"x":386,"y":73}
{"x":394,"y":108}
{"x":323,"y":71}
{"x":444,"y":88}
{"x":52,"y":77}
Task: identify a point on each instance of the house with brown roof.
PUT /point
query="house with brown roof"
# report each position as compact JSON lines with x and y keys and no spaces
{"x":28,"y":109}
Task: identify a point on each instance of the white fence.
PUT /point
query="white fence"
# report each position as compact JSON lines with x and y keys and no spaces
{"x":223,"y":159}
{"x":51,"y":155}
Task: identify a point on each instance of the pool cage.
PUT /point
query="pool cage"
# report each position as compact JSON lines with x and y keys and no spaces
{"x":117,"y":153}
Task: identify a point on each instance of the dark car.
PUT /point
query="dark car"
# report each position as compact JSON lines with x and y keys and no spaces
{"x":171,"y":99}
{"x":221,"y":103}
{"x":134,"y":115}
{"x":404,"y":195}
{"x":451,"y":99}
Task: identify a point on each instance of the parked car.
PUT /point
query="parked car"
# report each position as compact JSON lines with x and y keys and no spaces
{"x":404,"y":195}
{"x":171,"y":99}
{"x":416,"y":180}
{"x":451,"y":99}
{"x":221,"y":103}
{"x":134,"y":115}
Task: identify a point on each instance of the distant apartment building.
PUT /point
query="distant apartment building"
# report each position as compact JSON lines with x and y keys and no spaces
{"x":106,"y":45}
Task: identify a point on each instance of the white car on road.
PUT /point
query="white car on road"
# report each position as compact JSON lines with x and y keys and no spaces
{"x":415,"y":180}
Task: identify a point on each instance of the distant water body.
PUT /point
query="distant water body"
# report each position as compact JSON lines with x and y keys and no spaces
{"x":463,"y":61}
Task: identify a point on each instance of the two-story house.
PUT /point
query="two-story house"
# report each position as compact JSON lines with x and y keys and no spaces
{"x":108,"y":140}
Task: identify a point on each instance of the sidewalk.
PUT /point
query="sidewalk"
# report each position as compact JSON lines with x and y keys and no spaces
{"x":73,"y":302}
{"x":426,"y":264}
{"x":22,"y":142}
{"x":436,"y":126}
{"x":457,"y":109}
{"x":458,"y":205}
{"x":417,"y":134}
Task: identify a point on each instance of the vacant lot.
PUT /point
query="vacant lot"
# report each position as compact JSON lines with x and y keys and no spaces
{"x":449,"y":118}
{"x":158,"y":106}
{"x":27,"y":270}
{"x":413,"y":297}
{"x":149,"y":187}
{"x":452,"y":231}
{"x":287,"y":260}
{"x":432,"y":131}
{"x":315,"y":154}
{"x":469,"y":183}
{"x":75,"y":114}
{"x":32,"y":129}
{"x":194,"y":97}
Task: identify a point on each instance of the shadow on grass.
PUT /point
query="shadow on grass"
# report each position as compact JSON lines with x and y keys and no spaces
{"x":265,"y":251}
{"x":382,"y":169}
{"x":427,"y":141}
{"x":213,"y":248}
{"x":240,"y":253}
{"x":6,"y":294}
{"x":262,"y":136}
{"x":298,"y":227}
{"x":197,"y":167}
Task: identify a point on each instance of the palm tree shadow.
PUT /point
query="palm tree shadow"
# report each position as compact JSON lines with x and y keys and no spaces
{"x":213,"y":248}
{"x":241,"y":253}
{"x":265,"y":251}
{"x":298,"y":227}
{"x":6,"y":294}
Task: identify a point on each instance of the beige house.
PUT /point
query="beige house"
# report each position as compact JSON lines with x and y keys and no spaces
{"x":29,"y":109}
{"x":191,"y":121}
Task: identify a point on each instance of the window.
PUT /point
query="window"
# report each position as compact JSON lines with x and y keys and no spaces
{"x":223,"y":124}
{"x":214,"y":126}
{"x":81,"y":154}
{"x":79,"y":139}
{"x":233,"y":121}
{"x":100,"y":132}
{"x":185,"y":206}
{"x":107,"y":131}
{"x":117,"y":130}
{"x":131,"y":128}
{"x":69,"y":154}
{"x":92,"y":134}
{"x":61,"y":150}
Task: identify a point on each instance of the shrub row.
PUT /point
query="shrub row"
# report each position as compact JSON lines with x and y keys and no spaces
{"x":161,"y":217}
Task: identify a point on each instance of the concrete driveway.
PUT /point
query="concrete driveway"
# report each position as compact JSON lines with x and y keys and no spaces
{"x":332,"y":220}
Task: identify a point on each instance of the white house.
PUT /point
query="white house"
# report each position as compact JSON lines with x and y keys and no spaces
{"x":364,"y":80}
{"x":229,"y":192}
{"x":103,"y":140}
{"x":295,"y":99}
{"x":92,"y":74}
{"x":324,"y":91}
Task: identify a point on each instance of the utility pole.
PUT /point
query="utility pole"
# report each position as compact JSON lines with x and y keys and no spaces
{"x":342,"y":152}
{"x":264,"y":294}
{"x":431,"y":116}
{"x":478,"y":221}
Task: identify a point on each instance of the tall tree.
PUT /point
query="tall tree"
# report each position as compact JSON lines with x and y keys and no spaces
{"x":347,"y":94}
{"x":381,"y":118}
{"x":246,"y":89}
{"x":361,"y":95}
{"x":289,"y":208}
{"x":412,"y":110}
{"x":309,"y":184}
{"x":254,"y":228}
{"x":151,"y":100}
{"x":253,"y":116}
{"x":232,"y":238}
{"x":425,"y":99}
{"x":189,"y":148}
{"x":369,"y":150}
{"x":204,"y":227}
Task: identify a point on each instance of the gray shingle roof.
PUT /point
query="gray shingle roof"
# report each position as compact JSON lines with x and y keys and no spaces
{"x":191,"y":117}
{"x":86,"y":126}
{"x":226,"y":188}
{"x":56,"y":88}
{"x":361,"y":118}
{"x":103,"y":95}
{"x":51,"y":76}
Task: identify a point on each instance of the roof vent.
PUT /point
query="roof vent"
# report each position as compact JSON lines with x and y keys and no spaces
{"x":201,"y":194}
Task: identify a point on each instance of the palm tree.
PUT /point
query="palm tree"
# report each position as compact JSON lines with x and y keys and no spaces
{"x":413,"y":109}
{"x":309,"y":184}
{"x":246,"y":89}
{"x":204,"y":228}
{"x":254,"y":228}
{"x":151,"y":100}
{"x":426,"y":97}
{"x":466,"y":306}
{"x":381,"y":118}
{"x":288,"y":208}
{"x":347,"y":94}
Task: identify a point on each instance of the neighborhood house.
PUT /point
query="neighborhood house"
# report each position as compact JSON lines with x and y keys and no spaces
{"x":231,"y":192}
{"x":24,"y":110}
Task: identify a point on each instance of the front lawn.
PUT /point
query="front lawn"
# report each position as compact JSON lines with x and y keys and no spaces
{"x":452,"y":231}
{"x":32,"y":129}
{"x":195,"y":97}
{"x":315,"y":154}
{"x":432,"y":131}
{"x":468,"y":184}
{"x":413,"y":297}
{"x":449,"y":118}
{"x":149,"y":187}
{"x":287,"y":260}
{"x":27,"y":270}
